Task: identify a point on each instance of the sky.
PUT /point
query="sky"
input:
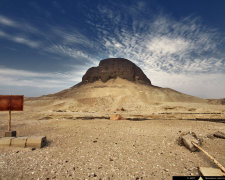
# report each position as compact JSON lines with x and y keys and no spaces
{"x":47,"y":46}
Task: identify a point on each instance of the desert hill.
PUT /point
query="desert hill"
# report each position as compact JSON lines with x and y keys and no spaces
{"x":115,"y":83}
{"x":217,"y":101}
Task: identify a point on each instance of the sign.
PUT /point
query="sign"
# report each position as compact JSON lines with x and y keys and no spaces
{"x":11,"y":102}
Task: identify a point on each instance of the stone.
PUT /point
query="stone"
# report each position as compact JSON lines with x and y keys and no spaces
{"x":115,"y":67}
{"x":10,"y":134}
{"x":19,"y":142}
{"x":36,"y":141}
{"x":5,"y":141}
{"x":219,"y":134}
{"x":187,"y":141}
{"x":117,"y":117}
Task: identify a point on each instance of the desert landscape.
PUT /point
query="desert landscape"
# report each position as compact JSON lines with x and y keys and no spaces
{"x":83,"y":143}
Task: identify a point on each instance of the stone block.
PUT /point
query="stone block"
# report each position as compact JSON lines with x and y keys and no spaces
{"x":19,"y":142}
{"x":36,"y":141}
{"x":5,"y":141}
{"x":208,"y":171}
{"x":10,"y":134}
{"x":188,"y":139}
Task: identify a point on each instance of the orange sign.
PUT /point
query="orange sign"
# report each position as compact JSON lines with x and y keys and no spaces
{"x":11,"y":102}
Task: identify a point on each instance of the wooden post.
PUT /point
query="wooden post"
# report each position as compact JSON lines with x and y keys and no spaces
{"x":210,"y":157}
{"x":10,"y":103}
{"x":9,"y":125}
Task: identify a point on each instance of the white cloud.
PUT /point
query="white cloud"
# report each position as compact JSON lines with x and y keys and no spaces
{"x":164,"y":45}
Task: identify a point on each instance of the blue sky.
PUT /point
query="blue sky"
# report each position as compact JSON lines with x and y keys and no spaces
{"x":46,"y":46}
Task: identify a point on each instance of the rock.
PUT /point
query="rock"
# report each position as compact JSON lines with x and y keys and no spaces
{"x":117,"y":117}
{"x":187,"y":141}
{"x":219,"y":135}
{"x":115,"y":67}
{"x":120,"y":109}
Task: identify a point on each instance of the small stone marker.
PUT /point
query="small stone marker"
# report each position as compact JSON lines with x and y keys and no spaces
{"x":36,"y":141}
{"x":6,"y":141}
{"x":19,"y":142}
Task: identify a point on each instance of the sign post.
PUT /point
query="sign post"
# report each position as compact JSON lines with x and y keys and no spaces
{"x":11,"y":103}
{"x":9,"y":125}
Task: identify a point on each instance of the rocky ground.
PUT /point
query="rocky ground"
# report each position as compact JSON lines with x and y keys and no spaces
{"x":104,"y":149}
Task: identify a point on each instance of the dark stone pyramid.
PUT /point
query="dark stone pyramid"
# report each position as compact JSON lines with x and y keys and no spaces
{"x":115,"y":67}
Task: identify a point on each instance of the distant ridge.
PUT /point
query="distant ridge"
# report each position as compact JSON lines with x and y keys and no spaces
{"x":217,"y":101}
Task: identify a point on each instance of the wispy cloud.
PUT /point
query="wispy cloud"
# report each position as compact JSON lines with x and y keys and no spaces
{"x":71,"y":36}
{"x":19,"y":25}
{"x":74,"y":53}
{"x":173,"y":53}
{"x":166,"y":49}
{"x":168,"y":45}
{"x":23,"y":29}
{"x":23,"y":73}
{"x":20,"y":39}
{"x":7,"y":22}
{"x":23,"y":78}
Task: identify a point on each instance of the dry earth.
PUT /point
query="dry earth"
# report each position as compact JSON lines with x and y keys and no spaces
{"x":84,"y":148}
{"x":84,"y":144}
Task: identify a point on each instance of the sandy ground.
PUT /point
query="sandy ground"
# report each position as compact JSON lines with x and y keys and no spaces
{"x":79,"y":148}
{"x":84,"y":144}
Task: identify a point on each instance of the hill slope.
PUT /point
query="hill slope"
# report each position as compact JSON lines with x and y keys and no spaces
{"x":116,"y":93}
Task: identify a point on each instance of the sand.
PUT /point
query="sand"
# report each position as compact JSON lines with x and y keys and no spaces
{"x":84,"y":144}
